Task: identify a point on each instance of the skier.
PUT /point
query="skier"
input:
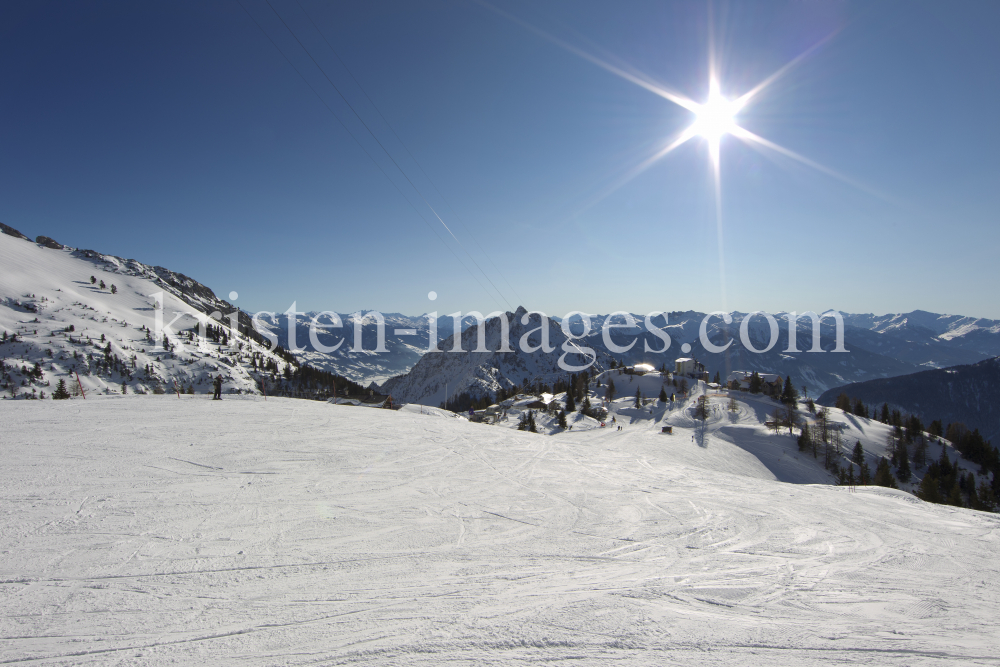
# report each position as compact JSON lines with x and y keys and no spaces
{"x":218,"y":388}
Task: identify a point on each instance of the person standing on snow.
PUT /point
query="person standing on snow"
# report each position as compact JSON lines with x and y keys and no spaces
{"x":218,"y":388}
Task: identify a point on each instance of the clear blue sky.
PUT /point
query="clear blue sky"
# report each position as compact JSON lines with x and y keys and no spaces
{"x":176,"y":134}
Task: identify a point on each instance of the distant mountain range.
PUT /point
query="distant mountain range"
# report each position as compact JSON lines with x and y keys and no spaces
{"x":884,"y":347}
{"x":484,"y":373}
{"x":969,"y":394}
{"x":879,"y":346}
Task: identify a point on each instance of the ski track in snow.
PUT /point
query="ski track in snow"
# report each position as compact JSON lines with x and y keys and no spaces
{"x":150,"y":530}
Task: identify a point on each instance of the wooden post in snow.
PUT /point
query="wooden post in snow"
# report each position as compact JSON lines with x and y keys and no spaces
{"x":81,"y":385}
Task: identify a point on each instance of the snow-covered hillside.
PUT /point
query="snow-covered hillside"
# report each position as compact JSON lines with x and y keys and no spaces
{"x":58,"y":325}
{"x":967,"y":394}
{"x":150,"y":530}
{"x":745,"y":427}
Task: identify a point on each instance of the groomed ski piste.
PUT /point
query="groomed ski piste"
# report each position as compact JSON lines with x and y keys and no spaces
{"x":160,"y":530}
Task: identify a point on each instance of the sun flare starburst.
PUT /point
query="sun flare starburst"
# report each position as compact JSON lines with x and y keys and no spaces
{"x":715,"y":119}
{"x":717,"y":116}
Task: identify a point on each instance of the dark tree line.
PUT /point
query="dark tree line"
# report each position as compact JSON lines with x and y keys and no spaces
{"x":943,"y":481}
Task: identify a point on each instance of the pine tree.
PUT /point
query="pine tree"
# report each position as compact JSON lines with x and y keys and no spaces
{"x":638,"y":398}
{"x":61,"y":392}
{"x":562,"y":419}
{"x":944,"y":463}
{"x":987,"y":499}
{"x":955,"y":495}
{"x":843,"y":403}
{"x":755,"y":383}
{"x":858,"y":454}
{"x":570,"y":403}
{"x":884,"y":417}
{"x":114,"y":290}
{"x":973,"y":498}
{"x":920,"y":453}
{"x":883,"y":475}
{"x":522,"y":423}
{"x":701,"y":410}
{"x":893,"y":441}
{"x":903,"y":471}
{"x":663,"y":395}
{"x":789,"y":395}
{"x":93,"y":280}
{"x":804,"y":440}
{"x":103,"y":285}
{"x":865,"y":475}
{"x":928,"y":490}
{"x":585,"y":407}
{"x":717,"y":379}
{"x":124,"y":388}
{"x":609,"y":395}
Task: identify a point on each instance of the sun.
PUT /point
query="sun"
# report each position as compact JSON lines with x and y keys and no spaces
{"x":715,"y":118}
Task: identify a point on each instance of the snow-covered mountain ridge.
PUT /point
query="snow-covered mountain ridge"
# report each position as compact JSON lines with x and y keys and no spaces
{"x":880,"y":346}
{"x":875,"y":351}
{"x":484,"y":373}
{"x":869,"y":355}
{"x":89,"y":320}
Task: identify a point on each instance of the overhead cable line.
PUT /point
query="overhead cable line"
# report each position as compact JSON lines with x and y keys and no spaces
{"x":384,"y":150}
{"x":403,"y":144}
{"x":358,"y":142}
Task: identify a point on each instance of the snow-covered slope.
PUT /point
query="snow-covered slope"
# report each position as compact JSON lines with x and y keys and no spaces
{"x":70,"y":327}
{"x":150,"y":530}
{"x":775,"y":454}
